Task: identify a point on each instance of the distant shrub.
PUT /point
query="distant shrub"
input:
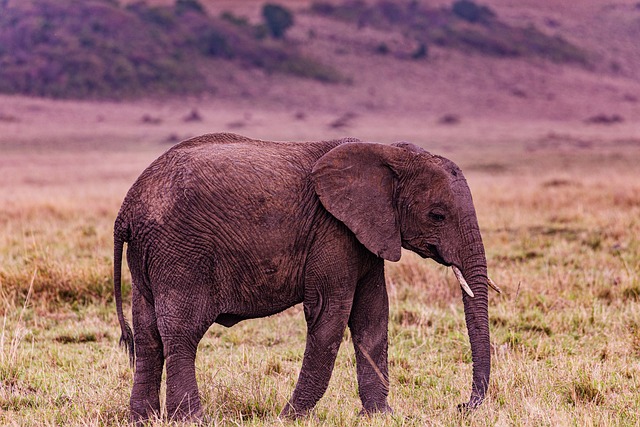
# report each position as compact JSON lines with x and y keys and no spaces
{"x":364,"y":13}
{"x":156,"y":15}
{"x":605,"y":119}
{"x":277,"y":18}
{"x":310,"y":69}
{"x":392,"y":11}
{"x":239,"y":21}
{"x":554,"y":48}
{"x":449,"y":119}
{"x":215,"y":43}
{"x":260,"y":31}
{"x":323,"y":8}
{"x":183,"y":6}
{"x":499,"y":39}
{"x":420,"y":52}
{"x":472,"y":12}
{"x":382,"y":49}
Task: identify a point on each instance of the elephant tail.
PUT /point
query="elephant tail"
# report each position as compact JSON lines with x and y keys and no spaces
{"x":126,"y":339}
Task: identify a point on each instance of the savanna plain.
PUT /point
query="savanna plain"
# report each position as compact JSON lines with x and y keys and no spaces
{"x":558,"y":205}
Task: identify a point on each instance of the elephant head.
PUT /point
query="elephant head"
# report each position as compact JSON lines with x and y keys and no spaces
{"x":400,"y":196}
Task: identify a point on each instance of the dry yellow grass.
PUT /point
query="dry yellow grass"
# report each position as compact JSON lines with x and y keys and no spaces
{"x":558,"y":204}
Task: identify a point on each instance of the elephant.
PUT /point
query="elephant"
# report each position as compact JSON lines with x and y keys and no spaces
{"x":222,"y":228}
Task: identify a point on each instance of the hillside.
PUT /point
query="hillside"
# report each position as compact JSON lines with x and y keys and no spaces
{"x":100,"y":49}
{"x":531,"y":59}
{"x":451,"y":82}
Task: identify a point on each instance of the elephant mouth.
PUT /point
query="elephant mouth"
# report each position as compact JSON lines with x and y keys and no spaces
{"x":427,"y":250}
{"x":435,"y":255}
{"x":430,"y":251}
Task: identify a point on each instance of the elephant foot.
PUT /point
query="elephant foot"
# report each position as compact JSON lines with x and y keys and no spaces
{"x":291,"y":413}
{"x":472,"y":405}
{"x":143,"y":411}
{"x":377,"y":408}
{"x":193,"y":416}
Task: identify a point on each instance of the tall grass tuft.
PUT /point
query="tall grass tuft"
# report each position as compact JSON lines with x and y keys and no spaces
{"x":13,"y":392}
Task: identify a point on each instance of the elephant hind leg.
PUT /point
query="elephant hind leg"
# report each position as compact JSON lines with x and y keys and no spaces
{"x":183,"y":400}
{"x":181,"y":333}
{"x":145,"y":401}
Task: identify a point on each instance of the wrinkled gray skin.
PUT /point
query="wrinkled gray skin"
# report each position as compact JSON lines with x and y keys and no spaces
{"x":222,"y":228}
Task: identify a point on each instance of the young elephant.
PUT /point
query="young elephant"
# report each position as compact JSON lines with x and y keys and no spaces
{"x":222,"y":228}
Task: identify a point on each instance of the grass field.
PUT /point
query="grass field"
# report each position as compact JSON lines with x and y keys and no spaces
{"x":560,"y":216}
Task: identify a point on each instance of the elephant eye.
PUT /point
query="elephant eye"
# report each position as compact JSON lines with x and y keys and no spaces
{"x":436,"y":216}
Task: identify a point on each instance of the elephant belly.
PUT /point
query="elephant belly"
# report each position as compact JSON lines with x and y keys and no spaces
{"x":230,"y":319}
{"x":242,"y":311}
{"x":257,"y":289}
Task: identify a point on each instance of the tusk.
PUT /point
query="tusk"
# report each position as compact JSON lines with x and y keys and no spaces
{"x":463,"y":283}
{"x":493,"y":285}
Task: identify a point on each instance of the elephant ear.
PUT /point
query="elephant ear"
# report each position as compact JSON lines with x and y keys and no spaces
{"x":356,"y":184}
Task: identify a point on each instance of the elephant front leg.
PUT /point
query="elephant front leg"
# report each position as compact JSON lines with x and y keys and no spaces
{"x":369,"y":329}
{"x":326,"y":317}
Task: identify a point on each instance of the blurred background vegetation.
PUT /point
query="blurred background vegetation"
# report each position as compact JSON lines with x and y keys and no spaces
{"x":104,"y":49}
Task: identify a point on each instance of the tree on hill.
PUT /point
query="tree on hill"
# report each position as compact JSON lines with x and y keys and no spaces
{"x":277,"y":18}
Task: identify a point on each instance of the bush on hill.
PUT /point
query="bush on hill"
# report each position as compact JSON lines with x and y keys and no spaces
{"x":96,"y":48}
{"x":472,"y":12}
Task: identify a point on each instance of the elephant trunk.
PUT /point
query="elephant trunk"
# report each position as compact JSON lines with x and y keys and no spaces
{"x":474,"y":269}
